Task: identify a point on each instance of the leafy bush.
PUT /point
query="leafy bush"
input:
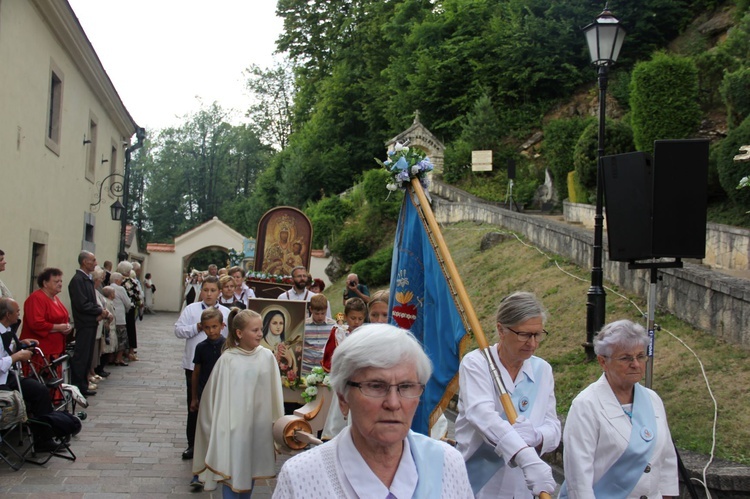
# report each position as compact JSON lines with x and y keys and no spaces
{"x":730,"y":171}
{"x":380,"y":199}
{"x":353,"y":243}
{"x":618,"y":139}
{"x":735,"y":92}
{"x":619,"y":88}
{"x":560,"y":137}
{"x":376,"y":270}
{"x":576,"y":192}
{"x":664,"y":100}
{"x":711,"y":66}
{"x":457,"y":161}
{"x":327,"y":217}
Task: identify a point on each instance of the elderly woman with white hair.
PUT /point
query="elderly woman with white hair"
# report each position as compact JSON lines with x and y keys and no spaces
{"x":616,"y":441}
{"x":378,"y":374}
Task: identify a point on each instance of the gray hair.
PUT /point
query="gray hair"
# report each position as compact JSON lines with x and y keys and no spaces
{"x":84,"y":255}
{"x":136,"y":265}
{"x":115,"y":277}
{"x":379,"y":346}
{"x":6,"y":306}
{"x":98,"y":274}
{"x":124,"y":267}
{"x":109,"y":291}
{"x":520,"y":307}
{"x":623,"y":334}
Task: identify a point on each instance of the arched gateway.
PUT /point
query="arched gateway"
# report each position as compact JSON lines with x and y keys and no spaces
{"x":168,"y":262}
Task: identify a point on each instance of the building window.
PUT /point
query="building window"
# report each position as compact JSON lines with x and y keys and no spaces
{"x":54,"y":109}
{"x":89,"y":223}
{"x":38,"y":263}
{"x":91,"y":157}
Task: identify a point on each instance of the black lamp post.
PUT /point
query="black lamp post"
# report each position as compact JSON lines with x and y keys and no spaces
{"x":604,"y":37}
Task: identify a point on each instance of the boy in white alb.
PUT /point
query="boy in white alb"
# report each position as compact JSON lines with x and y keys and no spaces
{"x":188,"y":327}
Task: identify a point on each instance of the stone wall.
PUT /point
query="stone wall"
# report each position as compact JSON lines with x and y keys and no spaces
{"x":716,"y":303}
{"x":727,"y":247}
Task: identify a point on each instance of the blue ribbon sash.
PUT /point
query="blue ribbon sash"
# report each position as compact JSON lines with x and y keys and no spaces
{"x":428,"y":458}
{"x":485,"y":462}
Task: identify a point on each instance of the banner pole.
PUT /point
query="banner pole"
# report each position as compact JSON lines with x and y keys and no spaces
{"x":466,"y":309}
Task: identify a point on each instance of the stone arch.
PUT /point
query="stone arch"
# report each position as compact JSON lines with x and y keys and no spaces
{"x":420,"y":137}
{"x":169,"y":262}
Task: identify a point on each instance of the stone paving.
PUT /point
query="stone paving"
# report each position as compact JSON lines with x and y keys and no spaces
{"x":133,"y":438}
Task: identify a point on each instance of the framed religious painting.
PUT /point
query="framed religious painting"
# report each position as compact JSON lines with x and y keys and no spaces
{"x":283,"y":334}
{"x":283,"y":242}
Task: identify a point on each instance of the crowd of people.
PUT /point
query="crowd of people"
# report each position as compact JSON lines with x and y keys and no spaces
{"x":100,"y":331}
{"x":617,"y":441}
{"x":616,"y":438}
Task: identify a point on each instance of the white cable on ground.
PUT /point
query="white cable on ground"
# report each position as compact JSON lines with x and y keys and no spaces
{"x":704,"y":482}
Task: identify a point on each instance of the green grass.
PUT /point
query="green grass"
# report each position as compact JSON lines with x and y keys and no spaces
{"x":512,"y":266}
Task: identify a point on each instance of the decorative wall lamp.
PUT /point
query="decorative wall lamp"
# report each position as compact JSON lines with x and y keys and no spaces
{"x":116,"y":188}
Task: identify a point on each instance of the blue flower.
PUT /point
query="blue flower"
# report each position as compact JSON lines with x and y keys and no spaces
{"x":402,"y":164}
{"x":402,"y":176}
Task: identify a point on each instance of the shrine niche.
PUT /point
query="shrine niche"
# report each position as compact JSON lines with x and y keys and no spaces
{"x":417,"y":135}
{"x":283,"y":242}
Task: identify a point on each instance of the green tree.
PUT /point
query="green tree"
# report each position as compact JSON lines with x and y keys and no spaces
{"x":664,"y":100}
{"x":271,"y":113}
{"x":560,"y":138}
{"x":618,"y":139}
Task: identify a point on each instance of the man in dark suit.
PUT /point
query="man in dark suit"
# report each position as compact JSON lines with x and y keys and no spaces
{"x":86,"y":315}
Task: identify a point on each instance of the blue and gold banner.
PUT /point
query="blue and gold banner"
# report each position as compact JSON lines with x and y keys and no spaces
{"x":422,"y":301}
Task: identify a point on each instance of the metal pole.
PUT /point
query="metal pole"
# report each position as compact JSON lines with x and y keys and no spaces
{"x":596,"y":295}
{"x":651,"y":326}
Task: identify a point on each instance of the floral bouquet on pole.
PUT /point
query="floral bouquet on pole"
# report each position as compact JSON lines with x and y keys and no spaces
{"x":404,"y":164}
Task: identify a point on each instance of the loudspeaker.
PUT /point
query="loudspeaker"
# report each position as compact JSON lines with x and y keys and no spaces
{"x":511,"y":169}
{"x":680,"y":196}
{"x":627,"y":195}
{"x":657,"y":208}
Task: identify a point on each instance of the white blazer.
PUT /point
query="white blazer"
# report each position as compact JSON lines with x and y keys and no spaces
{"x":597,"y":432}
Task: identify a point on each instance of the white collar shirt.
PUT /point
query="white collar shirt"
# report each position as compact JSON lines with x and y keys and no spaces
{"x":5,"y":361}
{"x":361,"y":480}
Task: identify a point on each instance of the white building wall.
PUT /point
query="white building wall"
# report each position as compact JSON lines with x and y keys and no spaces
{"x":45,"y":196}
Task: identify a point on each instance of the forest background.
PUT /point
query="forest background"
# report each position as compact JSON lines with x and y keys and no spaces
{"x":483,"y":74}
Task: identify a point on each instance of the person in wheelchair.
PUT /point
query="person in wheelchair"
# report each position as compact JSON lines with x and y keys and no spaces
{"x":35,"y":395}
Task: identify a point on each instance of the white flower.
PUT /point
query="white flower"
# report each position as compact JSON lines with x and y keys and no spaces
{"x":311,"y":391}
{"x":399,"y":147}
{"x":391,"y":186}
{"x":414,"y":169}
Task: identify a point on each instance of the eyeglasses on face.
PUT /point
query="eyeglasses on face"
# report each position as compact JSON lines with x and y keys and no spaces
{"x":524,"y":336}
{"x":629,"y":359}
{"x":380,"y":389}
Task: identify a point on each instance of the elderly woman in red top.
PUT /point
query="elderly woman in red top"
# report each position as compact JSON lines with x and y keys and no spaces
{"x":45,"y":318}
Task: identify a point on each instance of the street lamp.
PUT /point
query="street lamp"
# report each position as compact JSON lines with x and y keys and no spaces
{"x":604,"y":37}
{"x":116,"y":210}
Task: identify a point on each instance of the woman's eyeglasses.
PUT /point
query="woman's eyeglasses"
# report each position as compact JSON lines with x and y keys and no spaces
{"x":380,"y":389}
{"x":524,"y":336}
{"x":629,"y":359}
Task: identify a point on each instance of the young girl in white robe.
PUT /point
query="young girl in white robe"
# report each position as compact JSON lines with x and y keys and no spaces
{"x":242,"y":399}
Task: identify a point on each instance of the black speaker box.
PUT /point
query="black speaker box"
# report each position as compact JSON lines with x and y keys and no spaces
{"x":657,"y":208}
{"x":511,"y":169}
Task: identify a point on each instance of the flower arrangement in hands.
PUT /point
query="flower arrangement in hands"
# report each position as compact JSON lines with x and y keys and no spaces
{"x":316,"y":377}
{"x":404,"y":164}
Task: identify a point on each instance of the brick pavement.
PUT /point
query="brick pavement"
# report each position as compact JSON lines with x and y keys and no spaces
{"x":133,"y":438}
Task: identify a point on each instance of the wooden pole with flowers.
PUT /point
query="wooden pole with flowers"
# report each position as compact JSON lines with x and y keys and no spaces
{"x":409,"y":169}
